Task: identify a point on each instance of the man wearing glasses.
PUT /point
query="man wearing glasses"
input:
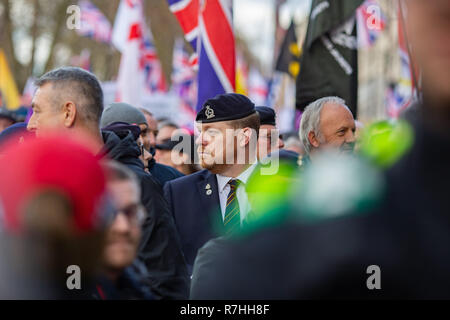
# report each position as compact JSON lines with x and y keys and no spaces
{"x":123,"y":276}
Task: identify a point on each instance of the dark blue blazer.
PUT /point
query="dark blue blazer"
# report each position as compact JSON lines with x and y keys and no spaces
{"x":197,"y":215}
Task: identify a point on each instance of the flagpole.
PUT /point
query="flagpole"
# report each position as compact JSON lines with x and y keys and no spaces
{"x":405,"y":36}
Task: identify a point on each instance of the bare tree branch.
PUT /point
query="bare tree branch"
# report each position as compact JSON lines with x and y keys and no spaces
{"x":34,"y":35}
{"x":59,"y":28}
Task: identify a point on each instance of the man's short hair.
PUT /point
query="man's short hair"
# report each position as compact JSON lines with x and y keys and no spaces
{"x":311,"y":119}
{"x":167,"y":123}
{"x":252,"y":121}
{"x":81,"y":83}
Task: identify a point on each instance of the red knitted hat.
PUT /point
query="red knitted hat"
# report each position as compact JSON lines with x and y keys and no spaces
{"x":57,"y":162}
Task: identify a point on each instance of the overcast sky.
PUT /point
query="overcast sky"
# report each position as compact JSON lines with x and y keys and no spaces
{"x":254,"y":20}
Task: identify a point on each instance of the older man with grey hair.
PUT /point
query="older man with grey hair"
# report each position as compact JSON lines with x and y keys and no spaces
{"x":327,"y":123}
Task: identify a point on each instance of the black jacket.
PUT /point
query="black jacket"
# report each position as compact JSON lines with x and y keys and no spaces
{"x":163,"y":173}
{"x":132,"y":284}
{"x":160,"y":247}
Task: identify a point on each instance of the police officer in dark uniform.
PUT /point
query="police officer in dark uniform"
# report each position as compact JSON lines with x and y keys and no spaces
{"x":397,"y":247}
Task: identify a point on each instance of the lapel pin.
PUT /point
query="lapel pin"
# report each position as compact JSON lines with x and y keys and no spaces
{"x":208,"y":186}
{"x":208,"y":192}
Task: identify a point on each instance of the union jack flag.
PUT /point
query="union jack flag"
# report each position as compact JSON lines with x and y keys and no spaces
{"x":184,"y":76}
{"x":140,"y":70}
{"x":94,"y":24}
{"x":258,"y":87}
{"x":208,"y":28}
{"x":370,"y":23}
{"x":186,"y":12}
{"x":398,"y":98}
{"x":400,"y":95}
{"x":153,"y":73}
{"x":183,"y":73}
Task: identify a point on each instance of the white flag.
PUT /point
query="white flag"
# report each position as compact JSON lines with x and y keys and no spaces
{"x":258,"y":88}
{"x":127,"y":38}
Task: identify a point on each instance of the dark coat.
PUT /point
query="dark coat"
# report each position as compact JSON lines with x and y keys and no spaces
{"x":197,"y":215}
{"x":160,"y":247}
{"x":407,"y":235}
{"x":132,"y":284}
{"x":163,"y":173}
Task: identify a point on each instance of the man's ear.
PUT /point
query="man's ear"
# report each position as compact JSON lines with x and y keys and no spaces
{"x":313,"y":139}
{"x":70,"y":113}
{"x":245,"y":136}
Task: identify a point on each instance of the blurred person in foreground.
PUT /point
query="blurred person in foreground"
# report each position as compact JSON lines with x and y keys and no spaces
{"x":71,"y":100}
{"x":17,"y":132}
{"x":268,"y":195}
{"x":397,"y":246}
{"x":52,"y":219}
{"x":115,"y":118}
{"x":123,"y":276}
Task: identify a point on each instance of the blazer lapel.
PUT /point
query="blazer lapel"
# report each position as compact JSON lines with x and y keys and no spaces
{"x":209,"y":195}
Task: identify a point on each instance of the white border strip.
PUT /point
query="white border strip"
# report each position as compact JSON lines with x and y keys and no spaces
{"x":179,"y":5}
{"x":213,"y":58}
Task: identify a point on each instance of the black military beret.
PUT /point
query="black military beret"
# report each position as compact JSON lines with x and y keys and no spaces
{"x":169,"y":144}
{"x":266,"y":115}
{"x":166,"y":144}
{"x":224,"y":107}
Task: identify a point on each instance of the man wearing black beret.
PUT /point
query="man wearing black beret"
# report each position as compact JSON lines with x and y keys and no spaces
{"x":269,"y":138}
{"x":213,"y":201}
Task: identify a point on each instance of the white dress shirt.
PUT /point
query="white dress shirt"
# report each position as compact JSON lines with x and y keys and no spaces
{"x":224,"y":190}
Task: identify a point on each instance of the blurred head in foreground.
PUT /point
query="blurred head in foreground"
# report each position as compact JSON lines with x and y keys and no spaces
{"x":427,"y":30}
{"x":123,"y":234}
{"x":53,"y":213}
{"x":17,"y":132}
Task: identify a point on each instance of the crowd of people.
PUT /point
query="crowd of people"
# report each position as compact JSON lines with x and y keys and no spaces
{"x":111,"y":203}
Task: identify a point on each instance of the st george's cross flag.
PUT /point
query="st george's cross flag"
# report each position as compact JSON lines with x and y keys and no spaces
{"x":140,"y":70}
{"x":94,"y":24}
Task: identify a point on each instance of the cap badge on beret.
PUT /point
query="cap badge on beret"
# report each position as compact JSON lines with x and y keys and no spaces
{"x":209,"y":112}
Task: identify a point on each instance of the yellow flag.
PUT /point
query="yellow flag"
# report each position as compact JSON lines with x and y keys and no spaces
{"x":241,"y":82}
{"x":8,"y":88}
{"x":241,"y":75}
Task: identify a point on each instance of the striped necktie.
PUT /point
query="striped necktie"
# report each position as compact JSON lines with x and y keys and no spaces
{"x":232,"y":220}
